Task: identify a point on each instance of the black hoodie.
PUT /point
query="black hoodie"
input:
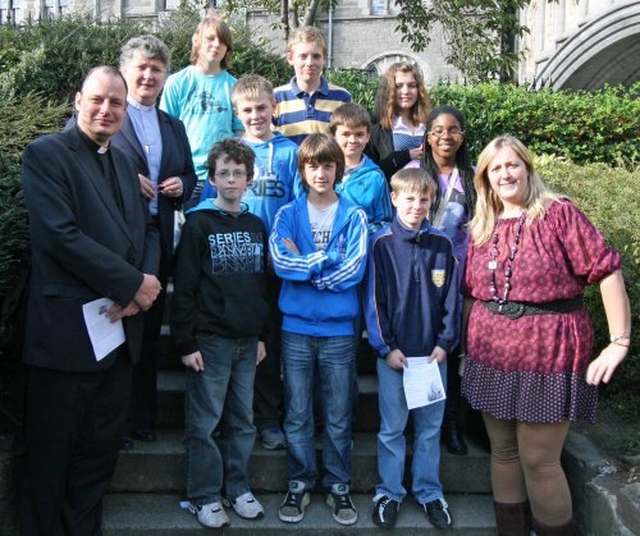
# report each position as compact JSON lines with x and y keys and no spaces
{"x":219,"y":280}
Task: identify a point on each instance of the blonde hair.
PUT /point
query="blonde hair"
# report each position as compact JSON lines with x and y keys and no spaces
{"x":413,"y":180}
{"x":212,"y":21}
{"x":307,"y":34}
{"x":489,"y":206}
{"x":386,"y":107}
{"x":251,"y":86}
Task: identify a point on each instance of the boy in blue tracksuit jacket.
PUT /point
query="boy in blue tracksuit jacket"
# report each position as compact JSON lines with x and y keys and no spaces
{"x":318,"y":247}
{"x":411,"y":301}
{"x":363,"y":183}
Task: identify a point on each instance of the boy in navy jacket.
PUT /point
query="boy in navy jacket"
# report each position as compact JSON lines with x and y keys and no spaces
{"x":411,"y":303}
{"x":318,"y":247}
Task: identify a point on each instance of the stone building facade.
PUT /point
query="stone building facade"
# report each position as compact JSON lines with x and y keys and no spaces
{"x":572,"y":43}
{"x":581,"y":44}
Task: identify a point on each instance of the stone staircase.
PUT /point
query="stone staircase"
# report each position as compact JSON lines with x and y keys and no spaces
{"x":149,"y":482}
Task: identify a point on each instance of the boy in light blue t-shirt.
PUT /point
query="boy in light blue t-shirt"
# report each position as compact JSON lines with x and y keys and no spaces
{"x":200,"y":94}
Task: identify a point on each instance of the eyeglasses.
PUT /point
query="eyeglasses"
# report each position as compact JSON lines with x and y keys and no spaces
{"x":237,"y":174}
{"x":453,"y":132}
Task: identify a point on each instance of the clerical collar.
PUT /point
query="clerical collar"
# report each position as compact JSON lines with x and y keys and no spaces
{"x":90,"y":143}
{"x":139,"y":106}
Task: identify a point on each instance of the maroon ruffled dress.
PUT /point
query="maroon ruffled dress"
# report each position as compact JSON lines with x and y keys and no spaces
{"x":533,"y":368}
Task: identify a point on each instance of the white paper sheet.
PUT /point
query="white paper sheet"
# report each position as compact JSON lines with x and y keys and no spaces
{"x":105,"y":336}
{"x":422,"y":382}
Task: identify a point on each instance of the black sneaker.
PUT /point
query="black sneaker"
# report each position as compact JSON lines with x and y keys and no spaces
{"x":438,"y":513}
{"x":342,"y":507}
{"x":295,"y":502}
{"x":385,"y":512}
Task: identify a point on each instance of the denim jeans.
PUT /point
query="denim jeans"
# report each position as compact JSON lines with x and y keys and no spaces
{"x":220,"y":394}
{"x":425,"y":468}
{"x":333,"y":359}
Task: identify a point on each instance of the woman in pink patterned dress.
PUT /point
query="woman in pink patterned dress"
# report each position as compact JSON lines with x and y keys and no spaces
{"x":529,"y":340}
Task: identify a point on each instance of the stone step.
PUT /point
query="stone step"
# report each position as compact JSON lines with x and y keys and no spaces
{"x":136,"y":514}
{"x":171,"y":401}
{"x":159,"y":467}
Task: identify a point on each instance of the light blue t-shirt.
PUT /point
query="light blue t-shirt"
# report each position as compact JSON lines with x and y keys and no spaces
{"x":203,"y":103}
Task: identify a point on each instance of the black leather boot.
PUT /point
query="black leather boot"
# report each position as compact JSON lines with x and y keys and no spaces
{"x":450,"y":430}
{"x":513,"y":519}
{"x":451,"y":437}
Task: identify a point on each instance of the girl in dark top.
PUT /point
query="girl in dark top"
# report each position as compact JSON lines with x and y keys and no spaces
{"x":401,"y":108}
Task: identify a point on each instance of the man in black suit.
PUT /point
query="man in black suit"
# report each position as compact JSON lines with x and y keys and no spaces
{"x":158,"y":146}
{"x":89,"y":240}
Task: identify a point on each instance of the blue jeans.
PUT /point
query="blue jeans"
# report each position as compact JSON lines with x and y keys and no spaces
{"x":394,"y":414}
{"x":333,"y":358}
{"x":220,"y":394}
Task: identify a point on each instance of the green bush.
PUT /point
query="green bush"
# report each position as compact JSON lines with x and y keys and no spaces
{"x":361,"y":85}
{"x":586,"y":127}
{"x":52,"y":58}
{"x":610,"y":197}
{"x":22,"y":121}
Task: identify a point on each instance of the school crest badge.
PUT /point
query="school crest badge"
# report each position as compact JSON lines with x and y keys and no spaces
{"x":437,"y":276}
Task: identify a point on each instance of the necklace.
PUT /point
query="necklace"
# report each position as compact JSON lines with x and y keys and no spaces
{"x":508,"y":265}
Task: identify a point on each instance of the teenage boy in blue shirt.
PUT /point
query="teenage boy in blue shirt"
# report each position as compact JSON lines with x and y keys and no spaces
{"x":276,"y":183}
{"x":318,"y":247}
{"x":363,"y":183}
{"x":411,"y":302}
{"x":304,"y":105}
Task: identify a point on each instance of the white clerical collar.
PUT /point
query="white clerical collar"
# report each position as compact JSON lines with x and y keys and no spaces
{"x":139,"y":106}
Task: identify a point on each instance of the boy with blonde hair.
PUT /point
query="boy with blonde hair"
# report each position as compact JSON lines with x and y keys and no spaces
{"x":411,"y":301}
{"x":198,"y":95}
{"x":305,"y":104}
{"x":363,"y":182}
{"x":276,"y":178}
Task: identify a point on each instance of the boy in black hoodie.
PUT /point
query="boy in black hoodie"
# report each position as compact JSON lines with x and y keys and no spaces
{"x":218,"y":319}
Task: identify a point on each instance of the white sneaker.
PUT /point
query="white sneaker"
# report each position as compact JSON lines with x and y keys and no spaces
{"x":210,"y":515}
{"x":247,"y":506}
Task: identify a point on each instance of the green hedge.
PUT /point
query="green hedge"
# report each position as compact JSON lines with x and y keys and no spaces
{"x":610,"y":197}
{"x":586,"y":127}
{"x":52,"y":58}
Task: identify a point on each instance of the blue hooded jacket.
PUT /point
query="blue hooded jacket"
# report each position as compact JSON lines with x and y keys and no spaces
{"x":319,"y":295}
{"x":367,"y":187}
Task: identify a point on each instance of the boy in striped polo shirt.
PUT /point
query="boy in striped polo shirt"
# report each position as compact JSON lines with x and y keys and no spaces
{"x":304,"y":105}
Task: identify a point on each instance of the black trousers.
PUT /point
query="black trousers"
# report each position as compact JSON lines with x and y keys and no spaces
{"x":74,"y":422}
{"x":143,"y":408}
{"x":268,"y":397}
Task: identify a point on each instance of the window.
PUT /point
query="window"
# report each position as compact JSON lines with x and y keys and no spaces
{"x":383,"y":7}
